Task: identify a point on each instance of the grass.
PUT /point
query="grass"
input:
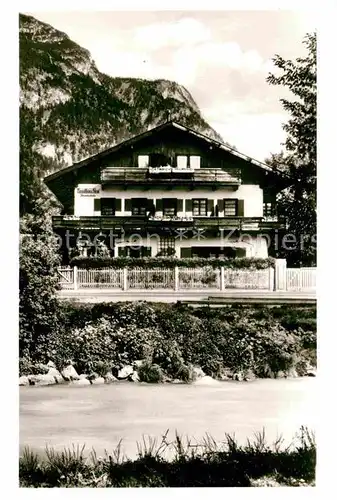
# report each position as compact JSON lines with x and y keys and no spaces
{"x":190,"y":464}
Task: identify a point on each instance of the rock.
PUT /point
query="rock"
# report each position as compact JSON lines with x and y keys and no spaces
{"x":69,"y":373}
{"x":238,"y":376}
{"x":206,"y":380}
{"x":311,"y":373}
{"x":109,"y":378}
{"x":134,"y":377}
{"x":83,"y":376}
{"x":97,"y":381}
{"x":249,"y":376}
{"x":138,"y":363}
{"x":197,"y":373}
{"x":51,"y":364}
{"x":292,"y":373}
{"x":41,"y":379}
{"x":23,"y":380}
{"x":56,"y":374}
{"x":80,"y":382}
{"x":125,"y":372}
{"x":176,"y":381}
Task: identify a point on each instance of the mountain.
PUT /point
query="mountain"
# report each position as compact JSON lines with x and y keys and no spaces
{"x":69,"y":110}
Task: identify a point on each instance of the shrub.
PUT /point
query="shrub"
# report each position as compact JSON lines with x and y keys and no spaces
{"x":170,"y":262}
{"x":150,"y":373}
{"x":39,"y":282}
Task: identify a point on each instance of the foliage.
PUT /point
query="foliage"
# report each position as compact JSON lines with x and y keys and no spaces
{"x":171,"y":262}
{"x":104,"y":337}
{"x":204,"y":463}
{"x":150,"y":373}
{"x":298,"y":203}
{"x":38,"y":280}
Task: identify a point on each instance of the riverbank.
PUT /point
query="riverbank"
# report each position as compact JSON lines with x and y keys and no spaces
{"x":207,"y":463}
{"x":150,"y":342}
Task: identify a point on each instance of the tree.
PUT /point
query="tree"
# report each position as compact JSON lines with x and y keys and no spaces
{"x":298,"y":203}
{"x":38,"y":280}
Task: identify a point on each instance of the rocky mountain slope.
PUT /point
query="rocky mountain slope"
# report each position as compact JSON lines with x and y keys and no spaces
{"x":69,"y":110}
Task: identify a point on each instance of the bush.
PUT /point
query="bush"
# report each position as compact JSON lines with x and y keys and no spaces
{"x":170,"y":262}
{"x":104,"y":337}
{"x":150,"y":373}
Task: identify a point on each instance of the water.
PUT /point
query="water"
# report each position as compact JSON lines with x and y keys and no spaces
{"x":99,"y":416}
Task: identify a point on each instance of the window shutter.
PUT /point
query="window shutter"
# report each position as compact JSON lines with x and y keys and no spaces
{"x":118,"y":204}
{"x":97,"y":204}
{"x":159,"y":204}
{"x":220,"y":205}
{"x":188,"y":205}
{"x":210,"y":205}
{"x":240,"y":208}
{"x":128,"y":205}
{"x":185,"y":253}
{"x":179,"y":205}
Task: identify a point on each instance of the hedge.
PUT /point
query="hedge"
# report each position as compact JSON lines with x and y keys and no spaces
{"x":170,"y":262}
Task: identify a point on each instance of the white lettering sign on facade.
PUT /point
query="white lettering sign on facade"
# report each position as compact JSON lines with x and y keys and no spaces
{"x":88,"y":191}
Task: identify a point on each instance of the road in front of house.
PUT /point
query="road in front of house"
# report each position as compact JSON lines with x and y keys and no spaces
{"x":99,"y":416}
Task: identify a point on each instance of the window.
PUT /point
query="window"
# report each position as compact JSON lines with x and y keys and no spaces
{"x":170,"y":207}
{"x":143,"y":161}
{"x":181,"y":161}
{"x":139,"y":206}
{"x":108,"y":206}
{"x":230,"y":207}
{"x":199,"y":206}
{"x":167,"y":245}
{"x":195,"y":161}
{"x":269,"y":209}
{"x":159,"y":160}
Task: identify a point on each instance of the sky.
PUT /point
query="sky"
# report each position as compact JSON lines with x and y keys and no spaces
{"x":222,"y":57}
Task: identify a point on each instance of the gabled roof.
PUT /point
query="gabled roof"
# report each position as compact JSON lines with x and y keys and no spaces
{"x":139,"y":137}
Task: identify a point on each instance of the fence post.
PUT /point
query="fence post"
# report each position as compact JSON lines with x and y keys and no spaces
{"x":176,"y":278}
{"x":280,"y":274}
{"x":271,"y":279}
{"x":125,"y":278}
{"x":75,"y":278}
{"x":222,"y":278}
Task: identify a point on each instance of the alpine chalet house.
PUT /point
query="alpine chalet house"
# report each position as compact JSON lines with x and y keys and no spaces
{"x":168,"y":191}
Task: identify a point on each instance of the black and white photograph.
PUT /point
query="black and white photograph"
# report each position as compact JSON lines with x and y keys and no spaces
{"x":167,"y":248}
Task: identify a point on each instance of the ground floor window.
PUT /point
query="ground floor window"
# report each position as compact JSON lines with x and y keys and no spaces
{"x":166,"y":246}
{"x":134,"y":251}
{"x":269,"y":209}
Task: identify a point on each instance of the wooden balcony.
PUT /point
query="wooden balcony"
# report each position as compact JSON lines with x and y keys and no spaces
{"x":170,"y":176}
{"x":146,"y":223}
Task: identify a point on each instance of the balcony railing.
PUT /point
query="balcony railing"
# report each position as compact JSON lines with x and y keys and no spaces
{"x":164,"y":175}
{"x":142,"y":222}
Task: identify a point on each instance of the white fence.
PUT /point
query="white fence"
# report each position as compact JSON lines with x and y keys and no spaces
{"x":206,"y":278}
{"x":301,"y":279}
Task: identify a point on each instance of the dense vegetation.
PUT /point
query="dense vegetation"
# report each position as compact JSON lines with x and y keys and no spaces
{"x":299,"y":160}
{"x":193,"y":465}
{"x":171,"y":339}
